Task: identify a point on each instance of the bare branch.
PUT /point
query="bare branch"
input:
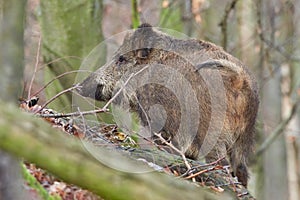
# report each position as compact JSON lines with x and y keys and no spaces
{"x":56,"y":96}
{"x":169,"y":144}
{"x":279,"y":49}
{"x":204,"y":171}
{"x":223,"y":24}
{"x":37,"y":60}
{"x":104,"y":109}
{"x":123,"y":86}
{"x":57,"y":77}
{"x":279,"y":129}
{"x":210,"y":164}
{"x":57,"y":60}
{"x":119,"y":91}
{"x":73,"y":114}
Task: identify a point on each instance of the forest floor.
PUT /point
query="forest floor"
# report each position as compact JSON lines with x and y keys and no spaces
{"x":43,"y":185}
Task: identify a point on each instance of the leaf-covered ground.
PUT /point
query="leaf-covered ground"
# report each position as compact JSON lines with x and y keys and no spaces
{"x":46,"y":186}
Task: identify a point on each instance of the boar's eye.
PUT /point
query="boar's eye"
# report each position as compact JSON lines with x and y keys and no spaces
{"x":121,"y":60}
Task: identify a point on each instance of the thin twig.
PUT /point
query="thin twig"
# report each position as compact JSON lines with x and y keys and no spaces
{"x":230,"y":180}
{"x":55,"y":53}
{"x":123,"y":86}
{"x":37,"y":60}
{"x":270,"y":43}
{"x":101,"y":110}
{"x":56,"y":96}
{"x":229,"y":7}
{"x":209,"y":164}
{"x":56,"y":60}
{"x":280,"y":50}
{"x":73,"y":114}
{"x":201,"y":166}
{"x":151,"y":142}
{"x":145,"y":113}
{"x":204,"y":171}
{"x":242,"y":194}
{"x":117,"y":93}
{"x":57,"y":77}
{"x":226,"y":184}
{"x":169,"y":144}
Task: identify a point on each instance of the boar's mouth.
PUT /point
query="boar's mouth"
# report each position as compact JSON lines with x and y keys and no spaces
{"x":98,"y":92}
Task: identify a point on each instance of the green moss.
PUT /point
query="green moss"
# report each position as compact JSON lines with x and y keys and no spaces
{"x":33,"y":183}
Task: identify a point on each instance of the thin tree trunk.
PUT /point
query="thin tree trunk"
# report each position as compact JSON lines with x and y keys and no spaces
{"x":11,"y":49}
{"x":275,"y":182}
{"x":296,"y":74}
{"x":287,"y":81}
{"x":70,"y":30}
{"x":289,"y":135}
{"x":11,"y":67}
{"x":187,"y":17}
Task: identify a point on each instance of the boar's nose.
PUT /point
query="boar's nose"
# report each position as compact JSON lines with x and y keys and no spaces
{"x":90,"y":89}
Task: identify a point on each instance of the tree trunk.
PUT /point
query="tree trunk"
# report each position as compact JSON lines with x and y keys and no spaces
{"x":296,"y":74}
{"x":11,"y":49}
{"x":70,"y":30}
{"x":275,"y":182}
{"x":276,"y":100}
{"x":287,"y":89}
{"x":11,"y":67}
{"x":290,"y":136}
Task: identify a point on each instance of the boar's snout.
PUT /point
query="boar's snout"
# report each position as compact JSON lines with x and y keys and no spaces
{"x":90,"y":88}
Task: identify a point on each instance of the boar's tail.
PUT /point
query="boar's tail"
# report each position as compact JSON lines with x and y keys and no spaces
{"x":221,"y":63}
{"x":235,"y":73}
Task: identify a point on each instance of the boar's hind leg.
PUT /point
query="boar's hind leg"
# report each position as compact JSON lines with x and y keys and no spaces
{"x":216,"y":153}
{"x":238,"y":159}
{"x":239,"y":167}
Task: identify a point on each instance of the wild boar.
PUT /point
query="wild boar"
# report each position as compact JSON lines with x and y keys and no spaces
{"x":199,"y":97}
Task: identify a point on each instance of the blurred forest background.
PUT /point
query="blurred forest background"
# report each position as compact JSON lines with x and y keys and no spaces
{"x":264,"y":34}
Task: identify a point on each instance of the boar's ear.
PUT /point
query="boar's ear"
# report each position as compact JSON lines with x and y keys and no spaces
{"x":144,"y":29}
{"x":142,"y":40}
{"x":143,"y":53}
{"x":144,"y":25}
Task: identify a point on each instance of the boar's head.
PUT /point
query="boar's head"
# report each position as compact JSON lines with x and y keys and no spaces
{"x":139,"y":47}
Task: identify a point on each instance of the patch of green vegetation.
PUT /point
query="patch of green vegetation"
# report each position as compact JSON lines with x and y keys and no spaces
{"x":170,"y":17}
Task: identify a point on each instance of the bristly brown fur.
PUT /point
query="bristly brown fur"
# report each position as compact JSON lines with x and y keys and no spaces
{"x":148,"y":46}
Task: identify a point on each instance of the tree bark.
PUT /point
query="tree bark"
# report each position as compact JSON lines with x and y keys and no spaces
{"x":70,"y":30}
{"x":275,"y":182}
{"x":37,"y":142}
{"x":11,"y":67}
{"x":11,"y":49}
{"x":287,"y":89}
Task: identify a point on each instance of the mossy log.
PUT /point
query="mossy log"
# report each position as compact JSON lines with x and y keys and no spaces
{"x":34,"y":140}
